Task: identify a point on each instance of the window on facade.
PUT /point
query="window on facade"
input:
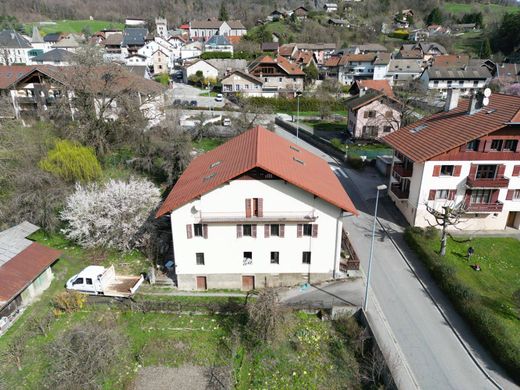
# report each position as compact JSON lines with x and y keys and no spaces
{"x":199,"y":258}
{"x":449,"y":83}
{"x":275,"y":257}
{"x":480,"y":196}
{"x":306,"y":257}
{"x":510,"y":145}
{"x":475,"y":83}
{"x":247,"y":230}
{"x":248,"y":255}
{"x":441,"y":194}
{"x":275,"y":230}
{"x":473,"y":145}
{"x":307,"y":229}
{"x":486,"y":171}
{"x":88,"y":281}
{"x":516,"y":195}
{"x":387,"y":129}
{"x":446,"y":170}
{"x":371,"y":114}
{"x":496,"y":144}
{"x":435,"y":83}
{"x":197,"y":228}
{"x":461,"y":83}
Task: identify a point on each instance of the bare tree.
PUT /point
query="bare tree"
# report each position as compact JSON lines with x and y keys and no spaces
{"x":14,"y":351}
{"x":265,"y":316}
{"x":444,"y":218}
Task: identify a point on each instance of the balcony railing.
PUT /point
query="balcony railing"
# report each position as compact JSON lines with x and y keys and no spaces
{"x":402,"y":171}
{"x":400,"y":194}
{"x":497,"y":182}
{"x":349,"y":258}
{"x":484,"y":207}
{"x":272,"y":216}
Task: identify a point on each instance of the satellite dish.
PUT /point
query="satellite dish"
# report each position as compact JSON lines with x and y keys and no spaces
{"x":485,"y":101}
{"x":487,"y":92}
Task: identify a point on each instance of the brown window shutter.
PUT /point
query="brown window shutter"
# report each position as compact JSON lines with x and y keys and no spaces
{"x":189,"y":232}
{"x":473,"y":170}
{"x":248,"y":208}
{"x":431,"y":196}
{"x":487,"y":146}
{"x":494,"y":196}
{"x":516,"y":169}
{"x":239,"y":231}
{"x":205,"y":230}
{"x":260,"y":207}
{"x":456,"y":170}
{"x":501,"y":170}
{"x":436,"y":170}
{"x":299,"y":230}
{"x":509,"y":195}
{"x":267,"y":231}
{"x":451,"y":194}
{"x":253,"y":231}
{"x":314,"y":230}
{"x":282,"y":230}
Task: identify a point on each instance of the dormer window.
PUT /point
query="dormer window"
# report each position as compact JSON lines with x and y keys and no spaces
{"x":472,"y":146}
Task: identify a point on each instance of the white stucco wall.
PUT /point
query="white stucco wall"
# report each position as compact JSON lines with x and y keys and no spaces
{"x":223,"y":251}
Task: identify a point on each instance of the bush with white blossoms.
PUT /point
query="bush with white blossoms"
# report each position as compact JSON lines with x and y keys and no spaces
{"x":111,"y":214}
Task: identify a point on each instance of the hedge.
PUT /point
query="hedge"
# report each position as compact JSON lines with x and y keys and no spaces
{"x":286,"y":105}
{"x":468,"y":303}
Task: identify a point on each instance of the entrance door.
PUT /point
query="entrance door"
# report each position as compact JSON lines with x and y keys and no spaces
{"x":248,"y":283}
{"x":201,"y":283}
{"x":511,"y":219}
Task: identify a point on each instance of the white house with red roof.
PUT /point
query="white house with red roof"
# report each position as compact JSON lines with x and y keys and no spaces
{"x":257,"y":211}
{"x":467,"y":155}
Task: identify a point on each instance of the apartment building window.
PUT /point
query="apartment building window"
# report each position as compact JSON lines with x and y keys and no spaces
{"x":480,"y":196}
{"x":306,"y":257}
{"x":247,"y":230}
{"x":496,"y":145}
{"x":275,"y":257}
{"x":197,"y":229}
{"x":387,"y":129}
{"x":307,"y":229}
{"x":472,"y":146}
{"x":275,"y":230}
{"x":447,"y":170}
{"x":442,"y":194}
{"x":475,"y":83}
{"x":516,"y":195}
{"x":199,"y":258}
{"x":248,"y":258}
{"x":510,"y":145}
{"x":486,"y":171}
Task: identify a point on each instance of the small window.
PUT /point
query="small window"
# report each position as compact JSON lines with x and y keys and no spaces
{"x":441,"y":194}
{"x":199,"y":258}
{"x":371,"y":114}
{"x":275,"y":230}
{"x":88,"y":281}
{"x":307,"y":230}
{"x":247,"y":230}
{"x":306,"y":257}
{"x":447,"y":170}
{"x":473,"y":145}
{"x":496,"y":145}
{"x":197,"y":228}
{"x":516,"y":195}
{"x":275,"y":257}
{"x":248,"y":255}
{"x":77,"y":281}
{"x":510,"y":145}
{"x":387,"y":129}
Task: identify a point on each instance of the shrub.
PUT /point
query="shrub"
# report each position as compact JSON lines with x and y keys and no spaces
{"x":109,"y":215}
{"x":355,"y":162}
{"x":336,"y":142}
{"x":163,"y":78}
{"x":68,"y":302}
{"x":72,"y":162}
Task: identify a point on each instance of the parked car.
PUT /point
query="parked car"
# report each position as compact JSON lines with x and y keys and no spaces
{"x":226,"y":122}
{"x":98,"y":280}
{"x":177,"y":102}
{"x":193,"y":103}
{"x":219,"y":98}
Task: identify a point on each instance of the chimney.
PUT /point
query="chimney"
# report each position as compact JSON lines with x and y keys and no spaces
{"x":362,"y":91}
{"x":452,"y":99}
{"x":475,"y":104}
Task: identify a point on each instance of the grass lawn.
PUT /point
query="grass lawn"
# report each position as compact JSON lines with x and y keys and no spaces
{"x":314,"y":113}
{"x":490,"y":12}
{"x":485,"y":298}
{"x":207,"y":144}
{"x":74,"y":26}
{"x":470,"y":42}
{"x":327,"y":126}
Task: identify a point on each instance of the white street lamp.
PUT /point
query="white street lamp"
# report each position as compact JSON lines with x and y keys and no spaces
{"x":380,"y":187}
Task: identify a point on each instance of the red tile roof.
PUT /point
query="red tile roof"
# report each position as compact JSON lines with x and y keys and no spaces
{"x":9,"y":74}
{"x":234,"y":39}
{"x":332,"y":61}
{"x":17,"y":273}
{"x":257,"y":148}
{"x":451,"y":60}
{"x":289,"y":67}
{"x":444,"y":131}
{"x":287,"y":49}
{"x":377,"y":85}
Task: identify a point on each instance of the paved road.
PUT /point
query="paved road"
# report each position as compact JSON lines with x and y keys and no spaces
{"x":188,"y":93}
{"x":429,"y":346}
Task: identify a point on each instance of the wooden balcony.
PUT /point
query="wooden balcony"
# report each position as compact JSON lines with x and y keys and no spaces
{"x":274,"y":216}
{"x":402,"y":171}
{"x":484,"y":207}
{"x":349,"y":257}
{"x":497,"y":182}
{"x":400,"y":194}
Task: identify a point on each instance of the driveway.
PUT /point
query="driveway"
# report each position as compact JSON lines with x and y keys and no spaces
{"x":185,"y":92}
{"x":430,"y":338}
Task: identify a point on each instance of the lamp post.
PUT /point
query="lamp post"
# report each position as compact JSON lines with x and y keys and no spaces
{"x":380,"y":187}
{"x":298,"y":94}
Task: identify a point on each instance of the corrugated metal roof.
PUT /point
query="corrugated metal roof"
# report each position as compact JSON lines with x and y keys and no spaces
{"x":257,"y":148}
{"x":13,"y":240}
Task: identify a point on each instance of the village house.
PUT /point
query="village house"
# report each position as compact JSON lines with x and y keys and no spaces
{"x":279,"y":76}
{"x":208,"y":71}
{"x":373,"y":114}
{"x":14,"y":48}
{"x":70,"y":42}
{"x":112,"y":47}
{"x":218,"y":43}
{"x":330,"y":7}
{"x":225,"y":66}
{"x":351,"y":67}
{"x":278,"y":208}
{"x":204,"y":29}
{"x":401,"y":72}
{"x":243,"y":83}
{"x":377,"y":85}
{"x":56,"y":57}
{"x":467,"y":156}
{"x":133,"y":39}
{"x":25,"y":271}
{"x":300,"y":13}
{"x":439,"y":80}
{"x":427,"y":50}
{"x":191,"y":50}
{"x":161,"y":62}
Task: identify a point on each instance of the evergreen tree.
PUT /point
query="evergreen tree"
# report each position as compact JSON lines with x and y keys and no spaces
{"x":223,"y":14}
{"x":485,"y":52}
{"x":311,"y":73}
{"x":435,"y":17}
